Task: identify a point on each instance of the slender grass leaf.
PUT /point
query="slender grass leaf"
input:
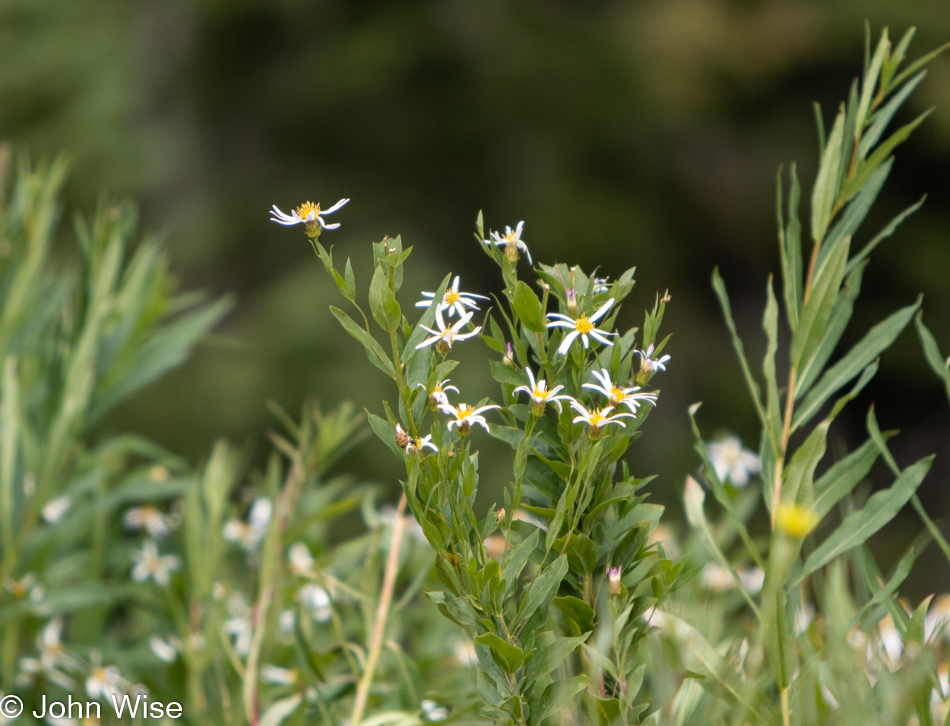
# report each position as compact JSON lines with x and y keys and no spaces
{"x":791,"y":250}
{"x":918,"y":64}
{"x":877,"y":340}
{"x":773,"y":402}
{"x":881,"y":508}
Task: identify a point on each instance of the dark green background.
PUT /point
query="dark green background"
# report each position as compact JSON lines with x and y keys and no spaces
{"x":623,"y":133}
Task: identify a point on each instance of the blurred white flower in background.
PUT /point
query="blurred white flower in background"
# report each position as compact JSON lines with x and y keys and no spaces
{"x":732,"y":462}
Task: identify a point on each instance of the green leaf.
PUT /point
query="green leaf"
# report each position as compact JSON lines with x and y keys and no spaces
{"x":509,"y":375}
{"x":527,"y":307}
{"x":790,"y":248}
{"x":857,"y":210}
{"x":799,"y":476}
{"x":883,"y":591}
{"x":549,"y":657}
{"x":870,"y":81}
{"x":517,"y":558}
{"x":834,"y":329}
{"x":573,"y":608}
{"x":881,"y":508}
{"x":932,"y":352}
{"x":280,"y":710}
{"x":542,"y":590}
{"x":844,"y":476}
{"x":720,"y":287}
{"x":509,"y":657}
{"x":386,"y":433}
{"x":876,"y":341}
{"x":773,"y":402}
{"x":374,"y":351}
{"x":817,"y":309}
{"x":382,"y":301}
{"x":825,"y":192}
{"x":867,"y":168}
{"x":883,"y":234}
{"x":881,"y":119}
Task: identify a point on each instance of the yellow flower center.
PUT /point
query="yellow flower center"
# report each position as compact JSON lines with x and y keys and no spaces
{"x":306,"y":208}
{"x":464,"y":411}
{"x":617,"y":394}
{"x":595,"y":419}
{"x":18,"y":589}
{"x":795,"y":520}
{"x":583,"y":325}
{"x":452,"y":297}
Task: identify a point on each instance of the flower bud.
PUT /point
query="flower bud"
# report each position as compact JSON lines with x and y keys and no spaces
{"x":442,"y":348}
{"x":614,"y":585}
{"x":572,"y":303}
{"x":500,"y":515}
{"x":402,"y":438}
{"x":511,"y":250}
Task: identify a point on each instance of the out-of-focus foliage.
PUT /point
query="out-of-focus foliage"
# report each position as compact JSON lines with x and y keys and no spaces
{"x":640,"y":132}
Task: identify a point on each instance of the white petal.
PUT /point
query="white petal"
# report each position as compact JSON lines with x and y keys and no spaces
{"x":335,"y":207}
{"x":602,"y":310}
{"x":566,"y":343}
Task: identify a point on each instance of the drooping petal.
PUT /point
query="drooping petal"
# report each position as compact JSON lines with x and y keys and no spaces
{"x":602,"y":310}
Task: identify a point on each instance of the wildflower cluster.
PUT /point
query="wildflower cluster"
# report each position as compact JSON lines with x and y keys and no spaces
{"x":568,"y":552}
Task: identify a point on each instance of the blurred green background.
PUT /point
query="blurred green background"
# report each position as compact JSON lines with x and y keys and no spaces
{"x":623,"y":133}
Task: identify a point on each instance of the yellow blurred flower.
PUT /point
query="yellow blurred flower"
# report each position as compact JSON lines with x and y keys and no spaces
{"x":795,"y":520}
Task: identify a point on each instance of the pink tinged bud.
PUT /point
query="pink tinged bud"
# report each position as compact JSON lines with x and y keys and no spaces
{"x":614,"y":584}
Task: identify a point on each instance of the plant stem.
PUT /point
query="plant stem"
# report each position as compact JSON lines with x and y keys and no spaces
{"x":382,"y":612}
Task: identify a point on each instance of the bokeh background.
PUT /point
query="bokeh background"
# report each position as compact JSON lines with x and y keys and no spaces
{"x":624,"y":133}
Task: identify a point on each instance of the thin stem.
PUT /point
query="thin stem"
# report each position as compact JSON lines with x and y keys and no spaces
{"x":382,"y":612}
{"x":786,"y":713}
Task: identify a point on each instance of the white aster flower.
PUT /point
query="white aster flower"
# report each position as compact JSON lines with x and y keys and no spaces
{"x":648,"y":366}
{"x":433,"y":711}
{"x":318,"y":601}
{"x":538,"y":390}
{"x":308,"y":214}
{"x":716,"y":578}
{"x":301,"y":561}
{"x":165,"y":650}
{"x":286,"y":621}
{"x":250,"y":533}
{"x":804,"y":616}
{"x":278,"y":676}
{"x":465,"y":416}
{"x":104,"y":681}
{"x":937,"y":622}
{"x":891,"y":641}
{"x":437,"y":394}
{"x":512,"y":242}
{"x":26,"y":586}
{"x":445,"y":335}
{"x":582,"y":326}
{"x":598,"y":418}
{"x":453,"y":300}
{"x":150,"y":519}
{"x":732,"y":462}
{"x":149,"y":564}
{"x":239,"y":625}
{"x":631,"y":397}
{"x":752,"y":579}
{"x":599,"y":285}
{"x":464,"y":651}
{"x":417,"y":444}
{"x":55,"y":510}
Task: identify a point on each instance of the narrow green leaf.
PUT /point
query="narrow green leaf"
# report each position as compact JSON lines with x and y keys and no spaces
{"x":883,"y":591}
{"x":881,"y":119}
{"x":834,"y":329}
{"x":374,"y":351}
{"x":792,"y":251}
{"x":817,"y":309}
{"x":932,"y":352}
{"x":773,"y":402}
{"x":856,"y":211}
{"x":881,"y":508}
{"x":720,"y":287}
{"x":878,"y":339}
{"x":884,"y":234}
{"x":825,"y":192}
{"x":877,"y":157}
{"x":918,"y":64}
{"x":869,"y":84}
{"x":844,"y":476}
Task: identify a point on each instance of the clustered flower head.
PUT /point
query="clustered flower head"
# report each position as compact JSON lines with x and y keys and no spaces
{"x":596,"y":419}
{"x":464,"y":416}
{"x":649,"y":366}
{"x":308,"y":214}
